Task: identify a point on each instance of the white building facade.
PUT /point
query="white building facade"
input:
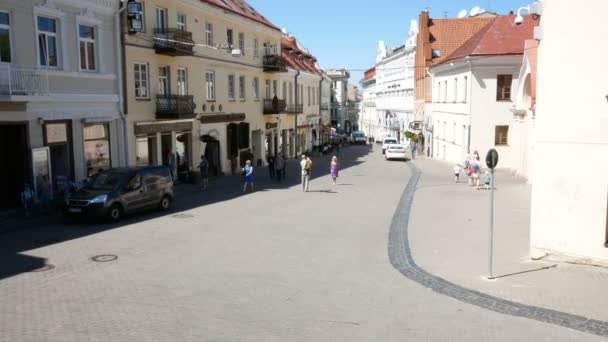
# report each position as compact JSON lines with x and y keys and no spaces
{"x":570,"y":204}
{"x":60,"y":114}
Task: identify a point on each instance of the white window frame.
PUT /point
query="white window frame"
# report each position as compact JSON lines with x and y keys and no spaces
{"x":147,"y":80}
{"x":256,"y":53}
{"x":86,"y":41}
{"x":166,"y":79}
{"x":209,"y":33}
{"x":267,"y":94}
{"x":242,"y":43}
{"x":182,"y":81}
{"x":231,"y":87}
{"x":164,"y":18}
{"x":10,"y":36}
{"x":242,"y":88}
{"x":62,"y":55}
{"x":210,"y":85}
{"x":181,"y":25}
{"x":455,"y":89}
{"x":465,"y":85}
{"x":58,"y":41}
{"x":256,"y":89}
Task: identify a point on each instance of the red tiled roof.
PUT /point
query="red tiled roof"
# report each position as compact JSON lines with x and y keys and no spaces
{"x":448,"y":35}
{"x":289,"y":45}
{"x":242,"y":8}
{"x":500,"y":37}
{"x":369,"y":73}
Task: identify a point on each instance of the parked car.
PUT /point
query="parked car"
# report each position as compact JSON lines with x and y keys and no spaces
{"x":358,"y":138}
{"x":120,"y":191}
{"x":395,"y":151}
{"x":388,"y":141}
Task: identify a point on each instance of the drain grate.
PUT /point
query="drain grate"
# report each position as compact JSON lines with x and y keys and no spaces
{"x":183,"y":216}
{"x":104,"y":258}
{"x":44,"y":268}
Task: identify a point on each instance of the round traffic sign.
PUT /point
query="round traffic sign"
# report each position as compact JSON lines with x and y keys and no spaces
{"x":492,"y":159}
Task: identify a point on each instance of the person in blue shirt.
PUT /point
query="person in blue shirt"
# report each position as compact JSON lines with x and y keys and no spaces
{"x":27,"y":199}
{"x":487,"y":180}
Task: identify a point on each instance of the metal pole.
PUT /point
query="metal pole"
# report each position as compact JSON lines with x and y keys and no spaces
{"x":492,"y":227}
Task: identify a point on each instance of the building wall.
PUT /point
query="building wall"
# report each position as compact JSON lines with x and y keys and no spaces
{"x":569,"y":207}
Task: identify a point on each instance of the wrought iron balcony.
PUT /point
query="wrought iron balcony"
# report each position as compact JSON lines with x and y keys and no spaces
{"x":294,"y":109}
{"x":175,"y":107}
{"x":274,"y":106}
{"x":173,"y":42}
{"x":274,"y":63}
{"x":17,"y":82}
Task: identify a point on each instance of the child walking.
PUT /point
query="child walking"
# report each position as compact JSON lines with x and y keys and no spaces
{"x":333,"y":171}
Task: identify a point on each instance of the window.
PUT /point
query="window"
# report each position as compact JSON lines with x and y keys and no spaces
{"x":503,"y":87}
{"x":47,"y":42}
{"x":229,"y":40}
{"x":161,"y":18}
{"x":267,"y":89}
{"x":210,"y":85}
{"x":182,"y":81}
{"x":256,"y":88}
{"x":290,"y":93}
{"x":445,"y":91}
{"x":455,"y":90}
{"x":301,"y":95}
{"x":308,"y":90}
{"x":465,"y":90}
{"x":255,"y":47}
{"x":231,"y":87}
{"x":274,"y":88}
{"x":454,"y":133}
{"x":5,"y":37}
{"x":242,"y":43}
{"x":209,"y":34}
{"x":242,"y":88}
{"x":501,"y":135}
{"x":163,"y":80}
{"x":97,"y":147}
{"x":181,"y":22}
{"x":141,"y":80}
{"x":86,"y":40}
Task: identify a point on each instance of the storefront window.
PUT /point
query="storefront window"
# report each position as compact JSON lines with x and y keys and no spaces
{"x":143,"y":156}
{"x":97,"y":148}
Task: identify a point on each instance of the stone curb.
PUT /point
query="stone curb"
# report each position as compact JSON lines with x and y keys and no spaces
{"x":401,"y":258}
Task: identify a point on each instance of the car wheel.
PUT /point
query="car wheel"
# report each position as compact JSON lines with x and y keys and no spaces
{"x":165,"y":203}
{"x":115,"y":212}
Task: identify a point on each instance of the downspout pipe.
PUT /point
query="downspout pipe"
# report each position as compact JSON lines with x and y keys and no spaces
{"x":296,"y":110}
{"x":320,"y":93}
{"x":120,"y":70}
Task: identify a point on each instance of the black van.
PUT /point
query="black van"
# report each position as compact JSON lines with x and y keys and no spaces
{"x":116,"y":192}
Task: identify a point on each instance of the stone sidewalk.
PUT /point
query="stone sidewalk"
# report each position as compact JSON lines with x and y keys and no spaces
{"x":449,"y":237}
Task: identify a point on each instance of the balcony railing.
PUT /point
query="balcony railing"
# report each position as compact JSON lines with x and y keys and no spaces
{"x":274,"y":106}
{"x":16,"y":81}
{"x":173,"y":42}
{"x":294,"y":109}
{"x":175,"y":107}
{"x":274,"y":63}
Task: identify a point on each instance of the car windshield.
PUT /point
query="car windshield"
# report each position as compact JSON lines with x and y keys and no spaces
{"x":106,"y":180}
{"x":390,"y":141}
{"x":395,"y":147}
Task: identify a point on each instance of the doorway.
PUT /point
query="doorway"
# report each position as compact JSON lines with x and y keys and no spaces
{"x":256,"y":147}
{"x":58,"y":137}
{"x":212,"y":154}
{"x":14,"y":147}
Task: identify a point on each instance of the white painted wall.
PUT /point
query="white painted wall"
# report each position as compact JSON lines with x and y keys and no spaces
{"x":570,"y":192}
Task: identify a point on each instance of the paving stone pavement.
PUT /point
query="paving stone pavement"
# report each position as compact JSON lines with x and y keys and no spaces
{"x":274,"y":265}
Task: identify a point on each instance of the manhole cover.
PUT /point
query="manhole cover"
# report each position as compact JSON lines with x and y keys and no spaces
{"x":104,"y":258}
{"x":46,"y":267}
{"x":182,"y":216}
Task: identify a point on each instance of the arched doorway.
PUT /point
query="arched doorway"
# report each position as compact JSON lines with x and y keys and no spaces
{"x":212,"y":154}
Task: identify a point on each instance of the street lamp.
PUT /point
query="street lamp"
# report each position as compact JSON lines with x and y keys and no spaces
{"x":535,"y":9}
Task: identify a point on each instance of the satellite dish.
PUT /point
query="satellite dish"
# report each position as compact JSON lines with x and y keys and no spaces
{"x":462,"y":13}
{"x":474,"y":11}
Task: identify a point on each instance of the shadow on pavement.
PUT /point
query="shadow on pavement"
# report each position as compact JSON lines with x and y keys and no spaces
{"x":28,"y":234}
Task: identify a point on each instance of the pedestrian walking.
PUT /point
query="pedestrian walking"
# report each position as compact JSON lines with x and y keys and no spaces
{"x":27,"y":199}
{"x":204,"y":169}
{"x":279,"y":164}
{"x":333,"y":171}
{"x":271,"y":172}
{"x":413,"y":147}
{"x":248,"y":176}
{"x":457,"y":170}
{"x":476,"y":169}
{"x":306,"y":165}
{"x":487,"y":181}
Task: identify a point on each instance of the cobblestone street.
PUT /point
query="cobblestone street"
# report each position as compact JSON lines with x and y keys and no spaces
{"x":277,"y":264}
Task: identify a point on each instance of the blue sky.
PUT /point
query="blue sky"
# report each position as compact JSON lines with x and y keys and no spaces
{"x":345,"y":33}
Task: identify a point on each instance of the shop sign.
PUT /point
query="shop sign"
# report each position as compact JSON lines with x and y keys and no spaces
{"x":162,"y":127}
{"x":270,"y":125}
{"x":218,"y":118}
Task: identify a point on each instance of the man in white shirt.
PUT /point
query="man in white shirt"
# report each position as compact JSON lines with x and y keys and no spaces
{"x":306,"y":166}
